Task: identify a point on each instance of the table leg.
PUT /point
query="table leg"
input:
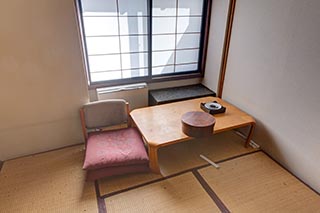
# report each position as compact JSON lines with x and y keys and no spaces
{"x":250,"y":134}
{"x":153,"y":159}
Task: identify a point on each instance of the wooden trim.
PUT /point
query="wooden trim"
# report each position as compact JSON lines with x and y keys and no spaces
{"x":149,"y":29}
{"x":129,"y":123}
{"x":83,"y":125}
{"x":175,"y":37}
{"x":206,"y":31}
{"x":100,"y":201}
{"x":119,"y":39}
{"x":39,"y":153}
{"x":224,"y":60}
{"x":83,"y":42}
{"x":1,"y":164}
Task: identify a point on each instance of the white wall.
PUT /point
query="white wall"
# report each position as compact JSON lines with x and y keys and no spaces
{"x":218,"y":22}
{"x":273,"y":74}
{"x":42,"y":84}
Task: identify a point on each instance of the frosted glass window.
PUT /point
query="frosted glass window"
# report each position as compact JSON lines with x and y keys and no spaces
{"x":187,"y":56}
{"x":99,"y":7}
{"x":92,"y":26}
{"x":134,"y":43}
{"x":186,"y":67}
{"x":162,"y":58}
{"x":190,"y":7}
{"x":164,"y":8}
{"x":102,"y":76}
{"x":105,"y":62}
{"x":134,"y":73}
{"x":189,"y":24}
{"x":162,"y":70}
{"x":162,"y":25}
{"x":135,"y":60}
{"x":175,"y":31}
{"x":133,"y":25}
{"x":188,"y":41}
{"x":138,"y":8}
{"x":163,"y":42}
{"x":103,"y":45}
{"x":119,"y":41}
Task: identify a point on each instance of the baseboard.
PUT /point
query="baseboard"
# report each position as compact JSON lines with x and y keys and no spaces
{"x":50,"y":150}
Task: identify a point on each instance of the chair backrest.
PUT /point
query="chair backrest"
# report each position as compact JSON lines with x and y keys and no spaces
{"x":105,"y":113}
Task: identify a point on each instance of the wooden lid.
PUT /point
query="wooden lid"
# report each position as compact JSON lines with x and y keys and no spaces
{"x":198,"y":119}
{"x":197,"y":124}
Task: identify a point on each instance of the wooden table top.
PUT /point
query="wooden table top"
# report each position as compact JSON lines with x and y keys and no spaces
{"x":161,"y":124}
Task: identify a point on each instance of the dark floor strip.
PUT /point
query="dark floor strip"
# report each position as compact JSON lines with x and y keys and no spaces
{"x":1,"y":164}
{"x":101,"y":204}
{"x":210,"y":192}
{"x":291,"y":173}
{"x":151,"y":182}
{"x":173,"y":175}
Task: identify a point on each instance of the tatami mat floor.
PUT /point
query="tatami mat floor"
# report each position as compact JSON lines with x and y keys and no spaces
{"x":248,"y":181}
{"x":255,"y":183}
{"x":49,"y":182}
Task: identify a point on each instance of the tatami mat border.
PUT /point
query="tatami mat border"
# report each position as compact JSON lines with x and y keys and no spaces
{"x":100,"y":201}
{"x":173,"y":175}
{"x":210,"y":192}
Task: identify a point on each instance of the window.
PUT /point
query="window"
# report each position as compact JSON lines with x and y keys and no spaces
{"x":143,"y":40}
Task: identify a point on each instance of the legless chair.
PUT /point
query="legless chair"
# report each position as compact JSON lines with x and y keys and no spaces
{"x":111,"y":152}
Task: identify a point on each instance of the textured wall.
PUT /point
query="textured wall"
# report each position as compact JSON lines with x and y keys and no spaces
{"x":42,"y":81}
{"x":273,"y":74}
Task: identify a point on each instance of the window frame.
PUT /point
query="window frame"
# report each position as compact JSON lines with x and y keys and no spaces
{"x":204,"y":35}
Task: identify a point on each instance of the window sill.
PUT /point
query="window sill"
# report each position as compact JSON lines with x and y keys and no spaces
{"x":143,"y":79}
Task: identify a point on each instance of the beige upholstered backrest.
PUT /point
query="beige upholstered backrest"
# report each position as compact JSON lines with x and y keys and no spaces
{"x":105,"y":113}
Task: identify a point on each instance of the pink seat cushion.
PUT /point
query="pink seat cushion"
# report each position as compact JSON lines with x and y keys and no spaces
{"x":115,"y":148}
{"x":116,"y":170}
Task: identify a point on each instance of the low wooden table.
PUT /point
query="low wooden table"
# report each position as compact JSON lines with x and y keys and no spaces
{"x":161,"y":125}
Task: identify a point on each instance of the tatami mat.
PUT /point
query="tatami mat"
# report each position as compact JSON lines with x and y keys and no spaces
{"x":49,"y":182}
{"x":182,"y":156}
{"x":255,"y":183}
{"x":179,"y":194}
{"x":186,"y":155}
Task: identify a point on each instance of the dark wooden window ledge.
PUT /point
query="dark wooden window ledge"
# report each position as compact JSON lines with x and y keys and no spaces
{"x":162,"y":96}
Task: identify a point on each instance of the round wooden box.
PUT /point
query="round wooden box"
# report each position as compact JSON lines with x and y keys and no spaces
{"x":197,"y":124}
